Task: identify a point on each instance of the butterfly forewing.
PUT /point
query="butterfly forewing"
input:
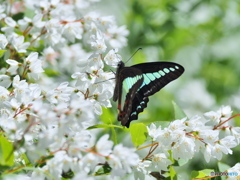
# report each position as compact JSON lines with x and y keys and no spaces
{"x":141,"y":81}
{"x":157,"y":75}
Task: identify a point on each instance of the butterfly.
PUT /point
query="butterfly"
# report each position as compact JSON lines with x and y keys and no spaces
{"x":139,"y":82}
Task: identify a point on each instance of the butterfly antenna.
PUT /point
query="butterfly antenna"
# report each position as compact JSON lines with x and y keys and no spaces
{"x":112,"y":71}
{"x":133,"y":54}
{"x":104,"y":81}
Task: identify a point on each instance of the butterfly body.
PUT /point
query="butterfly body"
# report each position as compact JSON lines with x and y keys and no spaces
{"x":141,"y":81}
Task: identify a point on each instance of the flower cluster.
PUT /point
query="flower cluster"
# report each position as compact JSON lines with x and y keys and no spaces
{"x":52,"y":85}
{"x":212,"y":135}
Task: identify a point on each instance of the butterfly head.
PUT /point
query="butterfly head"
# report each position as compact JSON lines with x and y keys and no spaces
{"x":120,"y":65}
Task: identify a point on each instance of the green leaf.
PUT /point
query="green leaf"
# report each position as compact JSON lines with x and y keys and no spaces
{"x":182,"y":162}
{"x":207,"y":171}
{"x":107,"y":116}
{"x":2,"y":52}
{"x":6,"y":152}
{"x":25,"y":159}
{"x":178,"y":112}
{"x":138,"y":133}
{"x":223,"y":167}
{"x":103,"y":126}
{"x":104,"y":170}
{"x":18,"y":16}
{"x":197,"y":174}
{"x":172,"y":173}
{"x":202,"y":173}
{"x":50,"y":72}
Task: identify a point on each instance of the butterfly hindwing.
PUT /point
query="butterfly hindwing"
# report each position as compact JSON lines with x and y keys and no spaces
{"x":141,"y":81}
{"x":127,"y":79}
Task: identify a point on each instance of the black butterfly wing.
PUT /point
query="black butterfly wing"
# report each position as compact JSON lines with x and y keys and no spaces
{"x":156,"y":75}
{"x":130,"y":79}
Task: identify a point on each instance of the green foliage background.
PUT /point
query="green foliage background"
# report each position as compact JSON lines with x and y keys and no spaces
{"x":201,"y":35}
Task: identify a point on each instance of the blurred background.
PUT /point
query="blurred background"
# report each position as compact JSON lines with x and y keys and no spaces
{"x":201,"y":35}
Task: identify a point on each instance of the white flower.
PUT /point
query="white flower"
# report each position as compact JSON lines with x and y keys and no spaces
{"x":20,"y":87}
{"x":80,"y":76}
{"x":209,"y":136}
{"x":24,"y":22}
{"x":73,"y":30}
{"x":10,"y":22}
{"x":65,"y":159}
{"x":177,"y":125}
{"x":13,"y":66}
{"x":102,"y":95}
{"x":100,"y":99}
{"x":112,"y":58}
{"x":118,"y":36}
{"x":92,"y":16}
{"x":35,"y":91}
{"x":35,"y":65}
{"x":64,"y":12}
{"x":106,"y":21}
{"x":19,"y":44}
{"x":199,"y":146}
{"x":37,"y":21}
{"x":217,"y":151}
{"x":122,"y":159}
{"x":3,"y":41}
{"x":53,"y":38}
{"x":178,"y":136}
{"x":94,"y":63}
{"x":4,"y":94}
{"x":213,"y":117}
{"x":236,"y":133}
{"x":184,"y":150}
{"x":5,"y":81}
{"x":221,"y":115}
{"x":223,"y":146}
{"x":225,"y":112}
{"x":104,"y":146}
{"x":82,"y":175}
{"x":208,"y":152}
{"x":165,"y":137}
{"x":2,"y":11}
{"x":44,"y":5}
{"x":82,"y":82}
{"x":160,"y":162}
{"x":90,"y":161}
{"x":39,"y":173}
{"x":98,"y":43}
{"x":79,"y":141}
{"x":141,"y":169}
{"x":153,"y":131}
{"x":234,"y":172}
{"x":7,"y":122}
{"x":53,"y":35}
{"x":228,"y":142}
{"x":61,"y":93}
{"x":196,"y":123}
{"x":55,"y":165}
